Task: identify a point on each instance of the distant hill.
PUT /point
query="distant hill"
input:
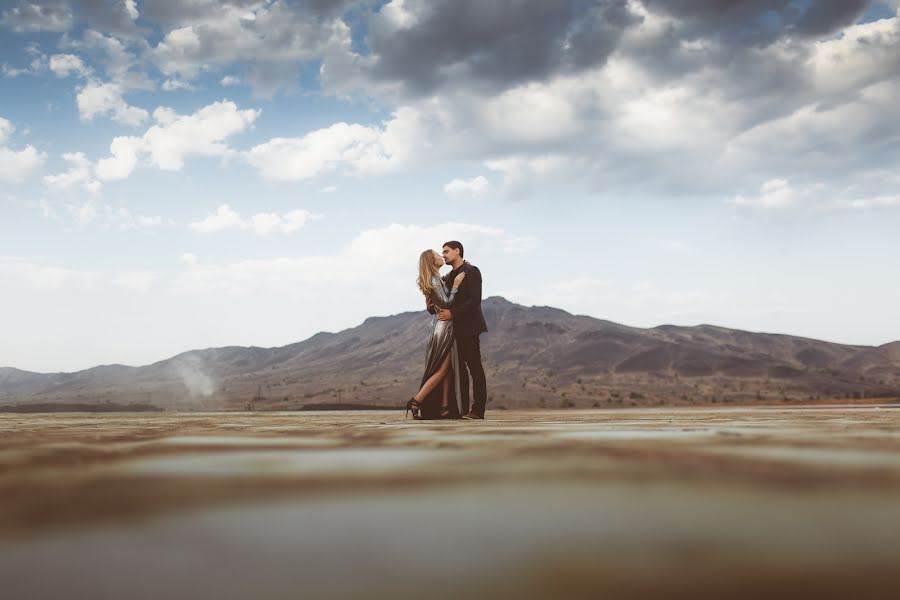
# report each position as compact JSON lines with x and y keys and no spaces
{"x":534,"y":356}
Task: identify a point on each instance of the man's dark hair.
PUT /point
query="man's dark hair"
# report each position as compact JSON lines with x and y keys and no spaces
{"x":453,"y":244}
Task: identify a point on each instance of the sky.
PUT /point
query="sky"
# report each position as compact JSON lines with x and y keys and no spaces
{"x":182,"y":174}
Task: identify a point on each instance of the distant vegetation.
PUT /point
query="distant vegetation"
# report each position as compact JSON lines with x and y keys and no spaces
{"x":52,"y":407}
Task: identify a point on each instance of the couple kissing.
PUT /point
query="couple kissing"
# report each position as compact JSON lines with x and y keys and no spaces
{"x":453,"y":354}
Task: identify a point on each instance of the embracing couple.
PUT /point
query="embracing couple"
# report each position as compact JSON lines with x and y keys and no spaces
{"x":453,"y":348}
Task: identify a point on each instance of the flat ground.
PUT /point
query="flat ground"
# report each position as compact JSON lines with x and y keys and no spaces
{"x":726,"y":503}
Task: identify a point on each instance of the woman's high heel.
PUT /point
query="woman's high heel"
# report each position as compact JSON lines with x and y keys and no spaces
{"x":445,"y":412}
{"x":413,"y":405}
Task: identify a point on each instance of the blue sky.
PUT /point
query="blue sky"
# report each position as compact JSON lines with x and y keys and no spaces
{"x":180,"y":175}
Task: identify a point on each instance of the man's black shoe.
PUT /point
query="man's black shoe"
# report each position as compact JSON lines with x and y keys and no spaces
{"x":471,"y":416}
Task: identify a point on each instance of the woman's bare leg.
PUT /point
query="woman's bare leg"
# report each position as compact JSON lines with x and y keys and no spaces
{"x":445,"y":399}
{"x":434,"y":380}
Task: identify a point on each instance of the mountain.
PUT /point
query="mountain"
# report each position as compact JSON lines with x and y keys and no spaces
{"x":534,"y":356}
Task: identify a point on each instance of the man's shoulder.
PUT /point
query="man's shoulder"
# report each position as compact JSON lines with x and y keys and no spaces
{"x":467,"y":267}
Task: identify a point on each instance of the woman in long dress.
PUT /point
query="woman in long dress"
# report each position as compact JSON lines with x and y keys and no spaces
{"x":441,"y":361}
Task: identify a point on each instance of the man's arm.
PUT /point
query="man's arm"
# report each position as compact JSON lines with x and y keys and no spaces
{"x":429,"y":306}
{"x":471,"y":300}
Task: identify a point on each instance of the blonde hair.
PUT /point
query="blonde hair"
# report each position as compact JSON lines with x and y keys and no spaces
{"x":427,"y":269}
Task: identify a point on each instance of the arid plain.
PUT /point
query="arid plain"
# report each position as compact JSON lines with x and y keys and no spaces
{"x":672,"y":502}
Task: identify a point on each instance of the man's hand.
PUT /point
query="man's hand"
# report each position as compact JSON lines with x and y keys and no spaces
{"x":445,"y":314}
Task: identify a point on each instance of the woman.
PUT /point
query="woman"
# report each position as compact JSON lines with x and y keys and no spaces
{"x":441,"y":362}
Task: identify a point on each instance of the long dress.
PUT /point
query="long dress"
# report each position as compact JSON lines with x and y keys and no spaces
{"x":441,"y":344}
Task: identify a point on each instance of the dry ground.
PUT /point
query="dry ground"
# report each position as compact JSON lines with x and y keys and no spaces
{"x":649,"y":503}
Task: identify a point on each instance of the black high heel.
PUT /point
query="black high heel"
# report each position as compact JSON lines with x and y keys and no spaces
{"x":445,"y":412}
{"x":413,"y":405}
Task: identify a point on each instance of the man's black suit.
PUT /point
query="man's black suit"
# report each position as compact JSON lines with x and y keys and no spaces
{"x":468,"y":324}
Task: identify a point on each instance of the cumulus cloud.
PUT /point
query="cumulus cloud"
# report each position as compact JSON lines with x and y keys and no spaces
{"x":341,"y":145}
{"x":116,"y":58}
{"x":390,"y":253}
{"x":175,"y":137}
{"x":684,"y":98}
{"x":80,"y":173}
{"x":273,"y":38}
{"x":25,"y":16}
{"x":348,"y":148}
{"x":226,"y":217}
{"x":425,"y":44}
{"x":62,"y":65}
{"x":171,"y":85}
{"x":675,"y":98}
{"x":6,"y":130}
{"x":124,"y":219}
{"x":467,"y":187}
{"x":18,"y":272}
{"x":779,"y":196}
{"x":17,"y":165}
{"x":105,"y":99}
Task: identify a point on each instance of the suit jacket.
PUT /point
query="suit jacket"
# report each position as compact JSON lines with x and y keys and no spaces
{"x":467,"y":316}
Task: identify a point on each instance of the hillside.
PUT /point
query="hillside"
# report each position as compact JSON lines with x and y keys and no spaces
{"x":534,"y":356}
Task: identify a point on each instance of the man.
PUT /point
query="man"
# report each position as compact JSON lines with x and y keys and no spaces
{"x":468,"y":324}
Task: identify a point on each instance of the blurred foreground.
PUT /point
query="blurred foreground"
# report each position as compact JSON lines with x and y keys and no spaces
{"x":649,"y":503}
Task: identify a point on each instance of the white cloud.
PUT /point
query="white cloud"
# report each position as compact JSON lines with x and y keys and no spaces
{"x":17,"y":165}
{"x":9,"y":71}
{"x":123,"y":219}
{"x":171,"y":85}
{"x":18,"y":272}
{"x":779,"y":195}
{"x":873,"y":202}
{"x":292,"y":159}
{"x":211,"y":36}
{"x":28,"y":16}
{"x":347,"y":148}
{"x":522,"y":173}
{"x":773,"y":194}
{"x":117,"y":60}
{"x":101,"y":99}
{"x":229,"y":80}
{"x":226,"y":217}
{"x":136,"y":281}
{"x":131,"y":9}
{"x":6,"y":130}
{"x":188,"y":258}
{"x":389,"y":254}
{"x":63,"y":65}
{"x":124,"y":158}
{"x":467,"y":187}
{"x":175,"y":137}
{"x":80,"y":173}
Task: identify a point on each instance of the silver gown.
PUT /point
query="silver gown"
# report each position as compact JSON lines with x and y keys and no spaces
{"x":441,"y":344}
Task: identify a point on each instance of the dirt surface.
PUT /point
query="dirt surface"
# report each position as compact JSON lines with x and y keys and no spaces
{"x":645,"y":503}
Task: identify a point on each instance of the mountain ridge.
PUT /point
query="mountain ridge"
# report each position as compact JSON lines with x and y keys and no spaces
{"x":534,"y":356}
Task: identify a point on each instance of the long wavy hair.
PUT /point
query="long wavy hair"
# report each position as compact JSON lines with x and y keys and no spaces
{"x":427,"y":269}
